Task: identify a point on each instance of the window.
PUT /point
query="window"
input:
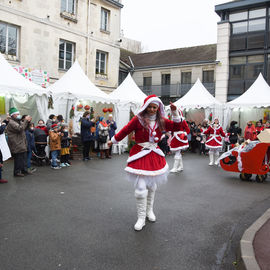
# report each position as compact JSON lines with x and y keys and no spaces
{"x":239,"y":16}
{"x":255,"y":13}
{"x":256,"y":25}
{"x":68,"y":6}
{"x":8,"y":39}
{"x":240,"y":27}
{"x":186,"y":77}
{"x":104,"y":19}
{"x":66,"y":54}
{"x":101,"y":62}
{"x":166,"y":79}
{"x":147,"y":81}
{"x":208,"y":76}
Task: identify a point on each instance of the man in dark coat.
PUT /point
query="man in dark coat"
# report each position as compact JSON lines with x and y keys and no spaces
{"x":112,"y":128}
{"x":17,"y":141}
{"x":87,"y":136}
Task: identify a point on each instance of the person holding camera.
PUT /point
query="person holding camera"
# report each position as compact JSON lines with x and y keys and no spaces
{"x":17,"y":141}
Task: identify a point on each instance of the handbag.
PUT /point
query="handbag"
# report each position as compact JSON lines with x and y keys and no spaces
{"x":102,"y":139}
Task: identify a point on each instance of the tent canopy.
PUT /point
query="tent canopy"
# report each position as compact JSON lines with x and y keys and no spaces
{"x":197,"y":97}
{"x":75,"y":84}
{"x":128,"y":91}
{"x":11,"y":82}
{"x":258,"y":95}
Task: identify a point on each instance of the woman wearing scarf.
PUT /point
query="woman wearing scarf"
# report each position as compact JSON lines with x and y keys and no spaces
{"x":146,"y":165}
{"x":103,"y":138}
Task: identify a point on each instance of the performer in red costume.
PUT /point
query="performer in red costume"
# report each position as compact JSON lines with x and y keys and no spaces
{"x":214,"y":142}
{"x":179,"y":142}
{"x":146,"y":165}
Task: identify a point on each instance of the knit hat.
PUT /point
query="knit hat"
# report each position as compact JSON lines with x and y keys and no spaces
{"x":13,"y":110}
{"x":54,"y":125}
{"x":153,"y":99}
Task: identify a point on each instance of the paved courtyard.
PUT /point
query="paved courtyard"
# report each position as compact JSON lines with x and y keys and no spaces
{"x":82,"y":218}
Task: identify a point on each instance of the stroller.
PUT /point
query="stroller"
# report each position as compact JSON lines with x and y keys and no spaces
{"x":40,"y":157}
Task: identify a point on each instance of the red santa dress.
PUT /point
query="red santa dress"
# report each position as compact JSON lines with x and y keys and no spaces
{"x":214,"y":141}
{"x":179,"y":140}
{"x":146,"y":159}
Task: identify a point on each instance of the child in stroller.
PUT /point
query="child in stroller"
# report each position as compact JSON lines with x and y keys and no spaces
{"x":41,"y":134}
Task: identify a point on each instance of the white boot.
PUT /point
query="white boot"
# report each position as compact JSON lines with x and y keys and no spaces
{"x":175,"y":165}
{"x":150,"y":202}
{"x":180,"y":164}
{"x":211,"y":158}
{"x":216,"y":158}
{"x":141,"y":201}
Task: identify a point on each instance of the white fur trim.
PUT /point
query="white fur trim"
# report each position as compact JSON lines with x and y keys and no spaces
{"x":147,"y":173}
{"x":176,"y":117}
{"x":143,"y":153}
{"x":113,"y":140}
{"x":179,"y":148}
{"x":150,"y":100}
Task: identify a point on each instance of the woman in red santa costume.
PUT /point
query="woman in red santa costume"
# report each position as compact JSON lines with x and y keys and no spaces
{"x":146,"y":165}
{"x":179,"y":143}
{"x":214,"y":141}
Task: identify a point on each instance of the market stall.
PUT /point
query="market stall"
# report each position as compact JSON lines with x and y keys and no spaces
{"x":198,"y":104}
{"x":16,"y":91}
{"x":74,"y":91}
{"x":252,"y":105}
{"x":129,"y":99}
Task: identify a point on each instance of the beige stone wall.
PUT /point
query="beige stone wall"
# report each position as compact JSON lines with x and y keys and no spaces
{"x":41,"y":27}
{"x":196,"y":70}
{"x":222,"y":70}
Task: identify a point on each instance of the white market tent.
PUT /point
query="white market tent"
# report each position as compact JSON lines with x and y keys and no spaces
{"x":129,"y":97}
{"x":198,"y":97}
{"x":258,"y":95}
{"x":249,"y":105}
{"x":21,"y":92}
{"x":72,"y":87}
{"x":128,"y":91}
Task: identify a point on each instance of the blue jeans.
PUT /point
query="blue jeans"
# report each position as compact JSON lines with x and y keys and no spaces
{"x":54,"y":154}
{"x":29,"y":156}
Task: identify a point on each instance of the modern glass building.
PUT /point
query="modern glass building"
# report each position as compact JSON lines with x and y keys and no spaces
{"x":247,"y":45}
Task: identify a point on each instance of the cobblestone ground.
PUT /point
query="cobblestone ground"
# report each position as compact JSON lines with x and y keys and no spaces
{"x":82,"y":217}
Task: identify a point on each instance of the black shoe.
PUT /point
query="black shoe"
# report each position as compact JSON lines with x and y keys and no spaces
{"x":19,"y":175}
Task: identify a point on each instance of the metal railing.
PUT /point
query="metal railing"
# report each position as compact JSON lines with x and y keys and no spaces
{"x":174,"y":90}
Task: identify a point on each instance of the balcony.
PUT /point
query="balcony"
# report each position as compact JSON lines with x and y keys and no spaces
{"x":174,"y":91}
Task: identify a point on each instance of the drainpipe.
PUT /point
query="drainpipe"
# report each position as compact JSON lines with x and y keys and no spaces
{"x":88,"y":38}
{"x":132,"y":70}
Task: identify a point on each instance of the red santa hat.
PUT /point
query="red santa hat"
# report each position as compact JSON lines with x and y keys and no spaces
{"x":153,"y":99}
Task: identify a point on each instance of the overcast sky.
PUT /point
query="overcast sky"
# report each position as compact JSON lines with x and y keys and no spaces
{"x":169,"y":24}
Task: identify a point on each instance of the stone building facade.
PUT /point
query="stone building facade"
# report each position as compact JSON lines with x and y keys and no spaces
{"x":171,"y":73}
{"x":50,"y":35}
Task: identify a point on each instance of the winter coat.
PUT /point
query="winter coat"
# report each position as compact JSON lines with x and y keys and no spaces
{"x":65,"y":140}
{"x":86,"y":134}
{"x":233,"y":134}
{"x":16,"y":136}
{"x":112,"y":128}
{"x":250,"y":133}
{"x":30,"y":141}
{"x":55,"y":140}
{"x":44,"y":128}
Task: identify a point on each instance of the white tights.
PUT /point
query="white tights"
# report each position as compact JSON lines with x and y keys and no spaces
{"x":214,"y":151}
{"x":141,"y":185}
{"x":177,"y":154}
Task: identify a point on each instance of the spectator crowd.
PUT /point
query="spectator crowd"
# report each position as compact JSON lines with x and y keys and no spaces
{"x":50,"y":142}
